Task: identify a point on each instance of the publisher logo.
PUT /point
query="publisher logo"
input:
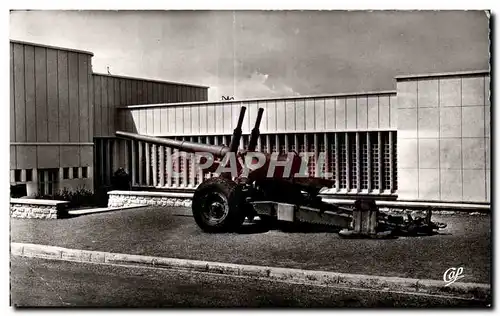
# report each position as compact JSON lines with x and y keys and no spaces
{"x":453,"y":274}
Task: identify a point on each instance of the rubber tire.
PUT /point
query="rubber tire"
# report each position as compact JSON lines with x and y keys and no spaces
{"x":232,"y":193}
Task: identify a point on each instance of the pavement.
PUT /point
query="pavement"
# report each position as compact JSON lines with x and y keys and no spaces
{"x":41,"y":282}
{"x":159,"y":232}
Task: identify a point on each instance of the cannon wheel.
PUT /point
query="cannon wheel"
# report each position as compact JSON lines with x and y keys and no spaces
{"x":217,"y":205}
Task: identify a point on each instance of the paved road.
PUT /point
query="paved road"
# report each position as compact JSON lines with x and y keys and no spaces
{"x":40,"y":282}
{"x":155,"y":231}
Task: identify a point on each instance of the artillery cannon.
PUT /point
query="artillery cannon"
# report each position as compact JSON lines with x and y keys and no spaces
{"x":271,"y":186}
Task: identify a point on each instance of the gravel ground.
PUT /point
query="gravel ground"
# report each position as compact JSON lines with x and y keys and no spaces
{"x":156,"y":231}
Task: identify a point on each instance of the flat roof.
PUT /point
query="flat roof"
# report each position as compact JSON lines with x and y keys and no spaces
{"x":318,"y":96}
{"x":53,"y":47}
{"x":152,"y":80}
{"x":443,"y":74}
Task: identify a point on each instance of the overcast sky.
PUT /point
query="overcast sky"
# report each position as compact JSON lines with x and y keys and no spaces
{"x":249,"y":54}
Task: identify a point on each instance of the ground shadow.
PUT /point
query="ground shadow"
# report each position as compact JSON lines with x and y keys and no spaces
{"x":68,"y":216}
{"x":309,"y":228}
{"x":253,"y":228}
{"x":262,"y":227}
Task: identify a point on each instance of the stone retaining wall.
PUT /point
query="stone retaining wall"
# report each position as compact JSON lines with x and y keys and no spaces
{"x":132,"y":198}
{"x":40,"y":209}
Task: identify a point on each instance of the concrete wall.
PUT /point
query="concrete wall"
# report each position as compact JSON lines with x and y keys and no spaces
{"x":340,"y":112}
{"x":444,"y":137}
{"x":50,"y":109}
{"x":111,"y":92}
{"x":58,"y":106}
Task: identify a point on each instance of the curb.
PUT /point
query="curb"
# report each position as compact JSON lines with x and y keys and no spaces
{"x":477,"y":291}
{"x":103,"y":209}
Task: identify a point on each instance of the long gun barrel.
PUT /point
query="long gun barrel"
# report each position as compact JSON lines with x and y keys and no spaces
{"x":191,"y":147}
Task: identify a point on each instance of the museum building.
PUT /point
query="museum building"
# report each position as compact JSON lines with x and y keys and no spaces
{"x":427,"y":140}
